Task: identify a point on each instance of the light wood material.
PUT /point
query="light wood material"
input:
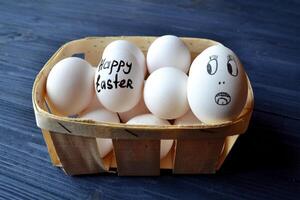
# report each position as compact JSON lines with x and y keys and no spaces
{"x":137,"y":157}
{"x":229,"y":142}
{"x":51,"y":148}
{"x":197,"y":156}
{"x":167,"y":161}
{"x":71,"y":142}
{"x":78,"y":155}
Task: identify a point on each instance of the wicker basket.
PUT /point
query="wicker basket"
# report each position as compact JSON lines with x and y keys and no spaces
{"x":72,"y":144}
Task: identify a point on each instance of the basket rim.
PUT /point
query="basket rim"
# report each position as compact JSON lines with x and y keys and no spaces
{"x":41,"y":112}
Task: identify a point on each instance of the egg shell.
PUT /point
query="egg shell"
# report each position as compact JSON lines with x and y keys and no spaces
{"x":217,"y":85}
{"x":168,"y":51}
{"x":93,"y":105}
{"x":102,"y":115}
{"x":187,"y":119}
{"x":150,"y":119}
{"x":165,"y":93}
{"x":119,"y":81}
{"x":124,"y":45}
{"x":139,"y":109}
{"x":70,"y":85}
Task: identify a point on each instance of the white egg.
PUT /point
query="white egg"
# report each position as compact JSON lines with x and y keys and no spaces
{"x":165,"y":93}
{"x":168,"y":51}
{"x":119,"y":81}
{"x":70,"y":85}
{"x":102,"y":115}
{"x":217,"y":85}
{"x":93,"y":105}
{"x":124,"y":45}
{"x":187,"y":119}
{"x":139,"y":109}
{"x":149,"y":119}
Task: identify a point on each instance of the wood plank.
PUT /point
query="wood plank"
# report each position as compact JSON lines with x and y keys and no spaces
{"x":197,"y":156}
{"x":78,"y":155}
{"x":228,"y":144}
{"x":137,"y":157}
{"x":51,"y":149}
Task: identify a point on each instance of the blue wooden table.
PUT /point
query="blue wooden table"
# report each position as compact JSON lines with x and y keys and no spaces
{"x":264,"y":163}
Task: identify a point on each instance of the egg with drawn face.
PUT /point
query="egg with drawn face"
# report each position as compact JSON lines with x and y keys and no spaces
{"x":217,"y":85}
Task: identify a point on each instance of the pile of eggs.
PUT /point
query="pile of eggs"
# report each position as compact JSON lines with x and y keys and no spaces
{"x":163,"y":87}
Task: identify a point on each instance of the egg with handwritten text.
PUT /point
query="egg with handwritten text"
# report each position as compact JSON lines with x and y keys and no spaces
{"x":125,"y":45}
{"x":217,"y":85}
{"x":119,"y":80}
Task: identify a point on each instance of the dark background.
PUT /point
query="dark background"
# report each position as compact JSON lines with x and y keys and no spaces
{"x":264,"y":163}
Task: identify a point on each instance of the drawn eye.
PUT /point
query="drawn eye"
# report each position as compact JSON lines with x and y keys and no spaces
{"x":212,"y":66}
{"x":232,"y":67}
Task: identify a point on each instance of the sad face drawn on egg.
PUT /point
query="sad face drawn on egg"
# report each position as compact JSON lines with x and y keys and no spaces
{"x":222,"y":98}
{"x":217,"y":85}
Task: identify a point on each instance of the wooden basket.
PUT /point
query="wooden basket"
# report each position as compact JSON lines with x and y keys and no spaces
{"x":72,"y":144}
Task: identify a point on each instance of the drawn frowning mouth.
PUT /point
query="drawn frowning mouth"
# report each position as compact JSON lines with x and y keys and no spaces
{"x":222,"y":98}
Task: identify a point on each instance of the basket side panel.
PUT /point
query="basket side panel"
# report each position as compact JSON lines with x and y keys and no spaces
{"x":78,"y":155}
{"x":197,"y":156}
{"x":167,"y":161}
{"x":229,"y":142}
{"x":137,"y":157}
{"x":51,"y":149}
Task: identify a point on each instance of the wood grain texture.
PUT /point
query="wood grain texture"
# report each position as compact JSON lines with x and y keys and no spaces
{"x":204,"y":161}
{"x":137,"y":157}
{"x":77,"y":155}
{"x":263,"y":164}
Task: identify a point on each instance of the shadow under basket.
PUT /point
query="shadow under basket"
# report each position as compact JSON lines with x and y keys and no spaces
{"x":71,"y":142}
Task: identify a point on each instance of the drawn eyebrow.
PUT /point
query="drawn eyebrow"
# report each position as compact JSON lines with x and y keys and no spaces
{"x":213,"y":57}
{"x":230,"y":57}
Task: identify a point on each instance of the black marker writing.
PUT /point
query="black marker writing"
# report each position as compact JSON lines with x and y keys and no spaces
{"x":112,"y":84}
{"x":97,"y":83}
{"x":129,"y":65}
{"x":115,"y":64}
